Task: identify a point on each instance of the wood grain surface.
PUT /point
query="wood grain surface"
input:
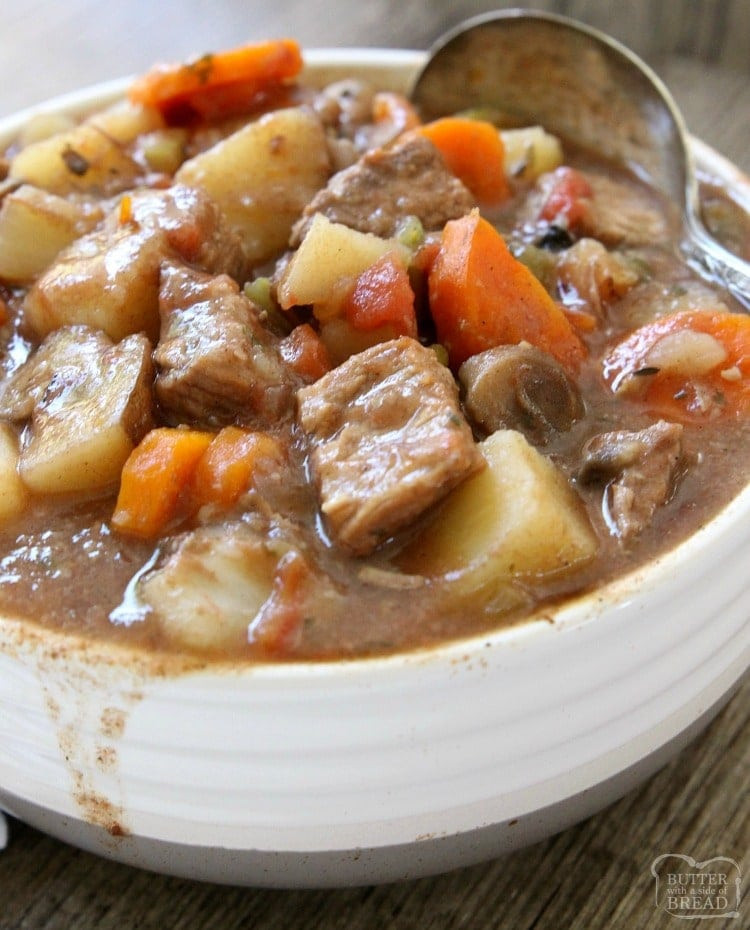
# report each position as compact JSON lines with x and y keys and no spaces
{"x":595,"y":875}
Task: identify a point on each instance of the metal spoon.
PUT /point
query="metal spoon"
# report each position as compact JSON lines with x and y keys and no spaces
{"x":581,"y":84}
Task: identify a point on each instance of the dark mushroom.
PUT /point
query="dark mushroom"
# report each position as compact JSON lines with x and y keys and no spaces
{"x":519,"y":387}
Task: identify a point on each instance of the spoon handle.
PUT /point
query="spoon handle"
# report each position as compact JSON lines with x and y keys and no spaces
{"x":711,"y":260}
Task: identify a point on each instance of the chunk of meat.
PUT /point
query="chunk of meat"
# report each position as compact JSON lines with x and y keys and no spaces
{"x":594,"y":205}
{"x":641,"y":469}
{"x":109,"y":278}
{"x":216,"y":362}
{"x":386,"y":185}
{"x":89,"y":403}
{"x":519,"y":387}
{"x":191,"y":223}
{"x":619,"y":214}
{"x":590,"y":277}
{"x":387,"y":441}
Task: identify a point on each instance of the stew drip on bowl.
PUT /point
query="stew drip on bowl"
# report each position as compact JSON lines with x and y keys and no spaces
{"x":289,"y":374}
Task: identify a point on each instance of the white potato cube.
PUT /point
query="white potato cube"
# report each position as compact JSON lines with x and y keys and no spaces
{"x":329,"y":253}
{"x":90,"y":416}
{"x":125,"y":121}
{"x":263,"y":176}
{"x":34,"y":226}
{"x":530,"y":152}
{"x":13,"y":494}
{"x":211,"y":588}
{"x":82,"y":159}
{"x":108,"y":282}
{"x":518,"y":518}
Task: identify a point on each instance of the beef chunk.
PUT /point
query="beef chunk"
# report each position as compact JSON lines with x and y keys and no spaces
{"x":374,"y":195}
{"x":640,"y":468}
{"x":594,"y":205}
{"x":387,"y":440}
{"x":520,"y":387}
{"x":592,"y":277}
{"x":216,"y":362}
{"x":192,"y":225}
{"x":621,"y":215}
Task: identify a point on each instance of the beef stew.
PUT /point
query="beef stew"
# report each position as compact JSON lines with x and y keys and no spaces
{"x":290,"y":375}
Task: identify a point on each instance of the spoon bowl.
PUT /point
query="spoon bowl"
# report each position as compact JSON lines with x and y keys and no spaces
{"x":581,"y":84}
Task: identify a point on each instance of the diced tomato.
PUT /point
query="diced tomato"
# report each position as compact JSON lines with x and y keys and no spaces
{"x":382,"y":295}
{"x":305,"y":353}
{"x":567,"y":198}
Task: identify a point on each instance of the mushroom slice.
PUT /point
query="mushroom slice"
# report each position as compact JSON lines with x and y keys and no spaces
{"x":519,"y":387}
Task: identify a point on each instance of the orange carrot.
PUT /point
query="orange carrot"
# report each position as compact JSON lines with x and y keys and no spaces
{"x":218,"y":85}
{"x":305,"y":353}
{"x":125,"y":213}
{"x":227,"y":467}
{"x":686,"y":379}
{"x":155,"y":478}
{"x":481,"y":297}
{"x":474,"y":152}
{"x":382,"y":296}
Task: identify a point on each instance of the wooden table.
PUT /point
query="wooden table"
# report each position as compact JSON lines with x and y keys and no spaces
{"x":595,"y":875}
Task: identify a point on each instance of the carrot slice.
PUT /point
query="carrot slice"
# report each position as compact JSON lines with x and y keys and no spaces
{"x":227,"y":467}
{"x":481,"y":296}
{"x":675,"y":370}
{"x":218,"y":85}
{"x":382,"y":296}
{"x":474,"y":152}
{"x":305,"y":353}
{"x":155,"y":479}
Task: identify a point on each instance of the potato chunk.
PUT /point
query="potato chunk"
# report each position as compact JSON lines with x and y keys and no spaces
{"x":329,"y":253}
{"x":211,"y":588}
{"x":105,"y":282}
{"x":13,"y":495}
{"x":34,"y":227}
{"x":263,"y":175}
{"x":517,"y":518}
{"x":530,"y":152}
{"x":91,"y":407}
{"x":84,"y":159}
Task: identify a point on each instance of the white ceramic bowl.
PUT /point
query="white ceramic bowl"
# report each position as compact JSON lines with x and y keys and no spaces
{"x":352,"y":772}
